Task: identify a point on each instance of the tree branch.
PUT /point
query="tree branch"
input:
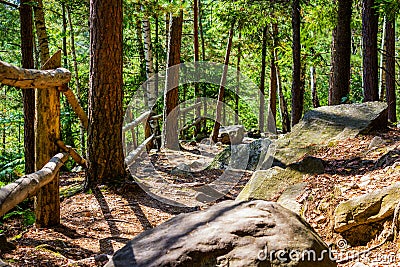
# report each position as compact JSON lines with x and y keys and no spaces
{"x":9,"y":4}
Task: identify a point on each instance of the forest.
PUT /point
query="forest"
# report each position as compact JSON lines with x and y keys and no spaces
{"x":123,"y":116}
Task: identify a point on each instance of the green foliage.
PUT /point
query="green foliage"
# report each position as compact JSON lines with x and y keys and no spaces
{"x":390,"y":8}
{"x":250,"y":17}
{"x":27,"y":215}
{"x":11,"y":168}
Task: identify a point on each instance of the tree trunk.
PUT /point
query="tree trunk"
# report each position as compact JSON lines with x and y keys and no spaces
{"x":47,"y":130}
{"x":171,"y":107}
{"x":382,"y":61}
{"x":339,"y":86}
{"x":41,"y":32}
{"x":82,"y":128}
{"x":203,"y":58}
{"x":196,"y":59}
{"x":28,"y":95}
{"x":221,"y":92}
{"x":282,"y":101}
{"x":167,"y":25}
{"x":105,"y":152}
{"x":297,"y":93}
{"x":272,"y":95}
{"x":239,"y":54}
{"x":69,"y":139}
{"x":156,"y":53}
{"x":391,"y":69}
{"x":283,"y":109}
{"x":370,"y":51}
{"x":261,"y":107}
{"x":142,"y":58}
{"x":148,"y":53}
{"x":314,"y":93}
{"x":3,"y":116}
{"x":150,"y":83}
{"x":4,"y":137}
{"x":156,"y":125}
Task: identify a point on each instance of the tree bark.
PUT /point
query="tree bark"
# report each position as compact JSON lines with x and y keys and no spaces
{"x":261,"y":107}
{"x":27,"y":186}
{"x":47,"y":130}
{"x":171,"y":108}
{"x":391,"y":69}
{"x":370,"y":51}
{"x":341,"y":53}
{"x":28,"y":95}
{"x":105,"y":152}
{"x":297,"y":92}
{"x":221,"y":92}
{"x":41,"y":32}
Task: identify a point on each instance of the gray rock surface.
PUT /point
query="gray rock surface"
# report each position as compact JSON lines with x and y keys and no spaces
{"x":269,"y":184}
{"x":253,"y":156}
{"x":288,"y":198}
{"x":231,"y":234}
{"x":232,"y":134}
{"x":327,"y":124}
{"x":318,"y":128}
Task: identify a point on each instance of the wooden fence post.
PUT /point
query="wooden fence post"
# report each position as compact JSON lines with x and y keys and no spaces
{"x":47,"y":130}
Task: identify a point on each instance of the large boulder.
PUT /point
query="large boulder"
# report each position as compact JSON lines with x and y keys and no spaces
{"x":292,"y":158}
{"x":232,"y":134}
{"x":268,"y":184}
{"x":256,"y":233}
{"x":323,"y":125}
{"x":359,"y":219}
{"x":254,"y":156}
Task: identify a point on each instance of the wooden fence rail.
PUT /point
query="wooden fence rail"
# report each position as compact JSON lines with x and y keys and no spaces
{"x":137,"y":121}
{"x":31,"y":78}
{"x":26,"y":186}
{"x":132,"y":156}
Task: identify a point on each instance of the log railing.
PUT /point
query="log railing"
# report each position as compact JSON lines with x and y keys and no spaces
{"x":145,"y":118}
{"x":30,"y":78}
{"x":42,"y":184}
{"x":27,"y":186}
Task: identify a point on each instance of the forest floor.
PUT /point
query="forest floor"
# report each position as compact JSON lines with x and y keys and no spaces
{"x":102,"y":221}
